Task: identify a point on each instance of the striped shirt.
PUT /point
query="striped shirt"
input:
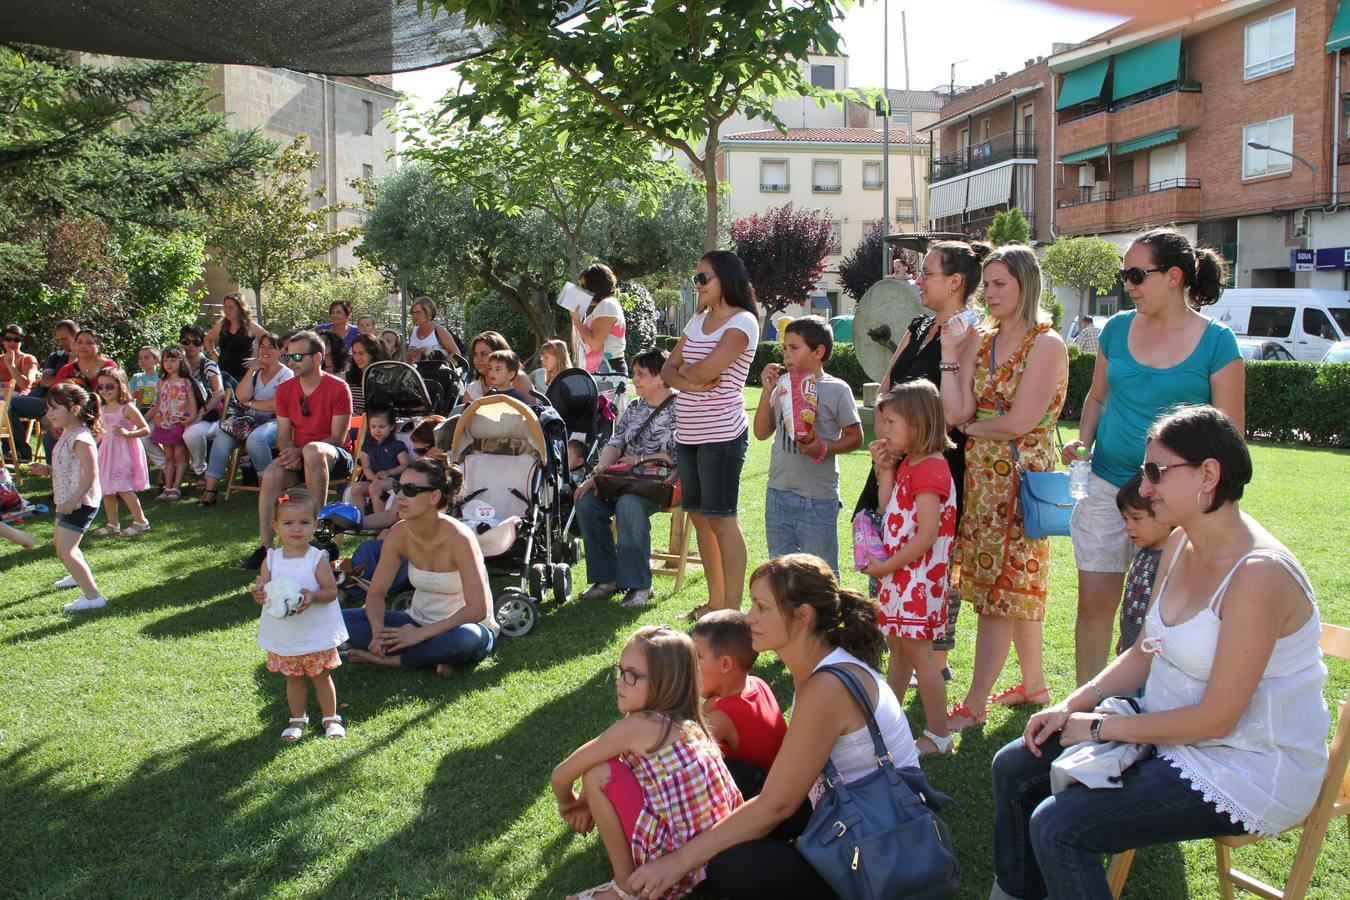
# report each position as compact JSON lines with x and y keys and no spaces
{"x":706,"y":417}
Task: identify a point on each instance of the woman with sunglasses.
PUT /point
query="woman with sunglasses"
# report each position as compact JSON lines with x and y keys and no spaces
{"x":709,"y":366}
{"x":1232,"y":683}
{"x":1155,"y":356}
{"x":86,"y":362}
{"x":450,"y":621}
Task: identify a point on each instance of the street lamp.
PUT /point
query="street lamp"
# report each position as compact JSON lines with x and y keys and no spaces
{"x":1257,"y":146}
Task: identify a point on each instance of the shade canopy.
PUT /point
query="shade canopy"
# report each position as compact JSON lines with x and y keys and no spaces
{"x":1148,"y":66}
{"x":1090,"y":153}
{"x":1157,"y":139}
{"x":1082,"y":85}
{"x":1339,"y":37}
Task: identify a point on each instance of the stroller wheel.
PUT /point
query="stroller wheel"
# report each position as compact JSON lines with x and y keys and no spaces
{"x":540,"y":580}
{"x":515,"y":613}
{"x":572,"y":551}
{"x":400,"y":601}
{"x":562,"y":582}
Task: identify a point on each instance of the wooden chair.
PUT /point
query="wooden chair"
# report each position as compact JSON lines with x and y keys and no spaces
{"x":673,"y":560}
{"x":33,"y":432}
{"x":352,"y":446}
{"x":1333,"y":801}
{"x":7,"y":434}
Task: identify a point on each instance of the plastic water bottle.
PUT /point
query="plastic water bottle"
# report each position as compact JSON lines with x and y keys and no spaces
{"x":1080,"y":475}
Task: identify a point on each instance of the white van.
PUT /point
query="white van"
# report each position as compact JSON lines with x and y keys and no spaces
{"x":1305,"y":321}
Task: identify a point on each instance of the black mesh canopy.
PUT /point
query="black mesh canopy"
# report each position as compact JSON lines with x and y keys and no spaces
{"x":334,"y":37}
{"x":574,"y":395}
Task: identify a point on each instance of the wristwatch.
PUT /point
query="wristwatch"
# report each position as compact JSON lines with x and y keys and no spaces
{"x":1097,"y":727}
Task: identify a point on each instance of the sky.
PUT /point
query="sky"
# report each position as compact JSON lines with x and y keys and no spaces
{"x":989,"y":35}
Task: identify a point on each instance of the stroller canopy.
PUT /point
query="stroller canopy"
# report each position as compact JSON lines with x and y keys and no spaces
{"x":498,"y":417}
{"x":388,"y":382}
{"x":576,"y":397}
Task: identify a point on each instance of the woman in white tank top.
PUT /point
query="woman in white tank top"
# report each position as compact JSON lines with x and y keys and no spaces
{"x":1232,"y":683}
{"x":798,"y":611}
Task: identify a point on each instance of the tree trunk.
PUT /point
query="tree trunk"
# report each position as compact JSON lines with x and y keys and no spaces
{"x":710,"y":190}
{"x":257,"y":301}
{"x":573,"y":264}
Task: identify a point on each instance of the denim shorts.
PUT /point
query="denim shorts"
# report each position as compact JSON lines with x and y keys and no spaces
{"x":710,"y":475}
{"x":78,"y":519}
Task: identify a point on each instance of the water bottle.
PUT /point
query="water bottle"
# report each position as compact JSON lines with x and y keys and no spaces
{"x":1080,"y":475}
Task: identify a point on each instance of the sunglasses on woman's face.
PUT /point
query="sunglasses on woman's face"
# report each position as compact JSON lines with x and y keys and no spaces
{"x":412,"y":490}
{"x":106,"y":388}
{"x":423,"y":450}
{"x":628,"y":676}
{"x":1154,"y":472}
{"x":12,"y":339}
{"x":702,"y":278}
{"x":191,"y":342}
{"x":1135,"y":275}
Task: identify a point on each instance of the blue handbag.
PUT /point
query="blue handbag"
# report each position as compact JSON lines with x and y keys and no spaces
{"x":879,"y":838}
{"x":1042,"y":497}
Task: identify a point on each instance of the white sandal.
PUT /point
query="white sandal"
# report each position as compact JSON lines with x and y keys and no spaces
{"x":107,"y":530}
{"x":944,"y":745}
{"x":295,"y":729}
{"x":611,"y":885}
{"x":332,"y":727}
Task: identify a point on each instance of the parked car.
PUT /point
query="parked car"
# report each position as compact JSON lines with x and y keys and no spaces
{"x":1074,"y":327}
{"x":1305,"y":321}
{"x":1339,"y":352}
{"x":1261,"y":350}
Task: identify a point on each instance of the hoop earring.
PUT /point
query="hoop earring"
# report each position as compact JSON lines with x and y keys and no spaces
{"x":1201,"y":501}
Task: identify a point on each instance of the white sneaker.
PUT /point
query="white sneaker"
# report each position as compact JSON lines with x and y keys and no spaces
{"x":66,"y":582}
{"x":86,"y":603}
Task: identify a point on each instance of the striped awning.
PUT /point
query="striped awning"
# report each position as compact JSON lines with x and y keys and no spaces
{"x":1157,"y":139}
{"x":947,"y":199}
{"x":991,"y":187}
{"x":1339,"y":37}
{"x":1090,"y":153}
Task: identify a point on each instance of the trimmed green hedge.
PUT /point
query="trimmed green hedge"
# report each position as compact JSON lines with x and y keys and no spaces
{"x":842,"y":364}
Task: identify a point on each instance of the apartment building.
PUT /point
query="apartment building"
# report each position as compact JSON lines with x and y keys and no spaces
{"x":1228,"y":122}
{"x":994,"y":141}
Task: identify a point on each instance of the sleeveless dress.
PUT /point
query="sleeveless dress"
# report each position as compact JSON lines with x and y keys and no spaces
{"x":686,"y":790}
{"x":232,"y":348}
{"x":1266,"y":773}
{"x":305,"y":643}
{"x":121,"y":460}
{"x":996,"y":566}
{"x":438,"y":596}
{"x":913,"y":599}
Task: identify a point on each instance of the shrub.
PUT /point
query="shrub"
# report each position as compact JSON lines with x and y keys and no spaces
{"x":842,"y":364}
{"x":639,"y":312}
{"x":493,"y":312}
{"x":1051,"y":304}
{"x":1080,"y":381}
{"x":667,"y":342}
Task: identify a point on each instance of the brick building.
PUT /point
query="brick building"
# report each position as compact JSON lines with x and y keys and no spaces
{"x":1154,"y":125}
{"x":994,"y":141}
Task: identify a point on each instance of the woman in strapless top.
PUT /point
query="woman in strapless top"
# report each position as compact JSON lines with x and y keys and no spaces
{"x":450,"y":622}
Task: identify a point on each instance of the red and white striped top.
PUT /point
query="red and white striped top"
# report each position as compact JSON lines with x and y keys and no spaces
{"x":706,"y":417}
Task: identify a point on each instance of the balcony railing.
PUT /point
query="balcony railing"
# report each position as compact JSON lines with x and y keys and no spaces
{"x":826,"y":188}
{"x":1097,"y":196}
{"x":773,"y":188}
{"x":872,"y":185}
{"x":1009,"y":145}
{"x":1084,"y":110}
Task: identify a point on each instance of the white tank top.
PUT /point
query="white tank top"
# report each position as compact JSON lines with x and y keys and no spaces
{"x":429,"y":342}
{"x":1266,"y":774}
{"x":316,"y":629}
{"x":853,"y":754}
{"x":438,"y":596}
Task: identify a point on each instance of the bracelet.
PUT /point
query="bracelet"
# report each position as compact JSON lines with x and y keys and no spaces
{"x":949,"y":367}
{"x":966,"y":424}
{"x":824,"y":452}
{"x":1100,"y":695}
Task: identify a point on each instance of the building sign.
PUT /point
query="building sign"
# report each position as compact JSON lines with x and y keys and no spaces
{"x":1318,"y":260}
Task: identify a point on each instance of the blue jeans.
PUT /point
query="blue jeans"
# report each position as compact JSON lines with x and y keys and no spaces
{"x":259,"y":446}
{"x":459,"y":646}
{"x":797,"y":524}
{"x":629,"y":565}
{"x":1052,"y":845}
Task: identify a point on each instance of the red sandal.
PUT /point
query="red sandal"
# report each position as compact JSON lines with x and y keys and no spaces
{"x":960,"y":711}
{"x":1017,"y":695}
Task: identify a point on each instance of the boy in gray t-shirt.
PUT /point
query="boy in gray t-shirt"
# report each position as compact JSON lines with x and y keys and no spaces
{"x":801,"y":508}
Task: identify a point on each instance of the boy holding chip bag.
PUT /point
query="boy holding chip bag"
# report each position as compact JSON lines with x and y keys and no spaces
{"x":811,"y":417}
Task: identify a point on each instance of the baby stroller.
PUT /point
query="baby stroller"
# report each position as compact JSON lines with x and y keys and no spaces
{"x":512,"y":457}
{"x":399,"y":386}
{"x":576,"y":397}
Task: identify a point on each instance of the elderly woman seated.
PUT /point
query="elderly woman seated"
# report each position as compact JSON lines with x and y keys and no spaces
{"x":1232,"y":681}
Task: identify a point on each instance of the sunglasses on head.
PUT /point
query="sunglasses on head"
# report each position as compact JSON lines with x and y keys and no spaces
{"x":1154,"y":472}
{"x":702,"y":278}
{"x":422,"y":450}
{"x":191,"y":342}
{"x":1135,"y":275}
{"x":628,"y":676}
{"x":412,"y":490}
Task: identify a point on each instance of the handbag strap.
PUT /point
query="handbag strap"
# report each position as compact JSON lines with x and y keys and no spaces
{"x":1012,"y":444}
{"x":642,"y":429}
{"x":883,"y":756}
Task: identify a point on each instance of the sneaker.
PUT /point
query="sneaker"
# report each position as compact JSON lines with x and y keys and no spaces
{"x":86,"y":603}
{"x":63,"y":583}
{"x":254,"y":562}
{"x":636,"y":599}
{"x":601,"y":591}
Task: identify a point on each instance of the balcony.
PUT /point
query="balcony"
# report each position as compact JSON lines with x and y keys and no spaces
{"x":1174,"y":200}
{"x":826,"y":188}
{"x":976,"y":227}
{"x":871,"y":185}
{"x":773,"y":188}
{"x":1176,"y":105}
{"x":1002,"y":147}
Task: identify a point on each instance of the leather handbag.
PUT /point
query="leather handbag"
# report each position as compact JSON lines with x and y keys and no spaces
{"x":880,"y":838}
{"x":1042,"y":497}
{"x":653,"y":479}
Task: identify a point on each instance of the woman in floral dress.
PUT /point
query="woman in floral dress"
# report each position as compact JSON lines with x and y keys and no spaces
{"x":1007,"y":383}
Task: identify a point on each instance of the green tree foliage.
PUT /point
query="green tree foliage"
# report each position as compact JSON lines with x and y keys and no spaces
{"x":303,"y":301}
{"x":673,"y":72}
{"x":1009,"y":227}
{"x":493,"y":312}
{"x":639,"y":314}
{"x":271,"y":229}
{"x":665,"y":244}
{"x":784,"y":249}
{"x":1085,"y":263}
{"x":861,"y":267}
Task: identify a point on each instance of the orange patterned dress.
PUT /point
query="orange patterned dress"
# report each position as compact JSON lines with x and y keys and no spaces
{"x":995,"y":566}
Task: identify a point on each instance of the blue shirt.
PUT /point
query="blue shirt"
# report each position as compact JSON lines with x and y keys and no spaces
{"x":383,"y":454}
{"x":1138,"y":394}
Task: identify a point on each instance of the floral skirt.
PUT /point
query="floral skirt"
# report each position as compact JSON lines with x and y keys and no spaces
{"x":310,"y":664}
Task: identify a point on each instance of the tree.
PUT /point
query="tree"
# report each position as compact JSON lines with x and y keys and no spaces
{"x":666,"y":244}
{"x":861,"y":268}
{"x":1085,"y":263}
{"x":1010,"y":226}
{"x":300,"y":302}
{"x":784,"y":249}
{"x":671,"y":71}
{"x":270,"y":230}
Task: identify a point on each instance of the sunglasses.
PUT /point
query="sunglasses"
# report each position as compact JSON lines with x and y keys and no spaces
{"x":1154,"y":472}
{"x":423,"y":450}
{"x":628,"y":676}
{"x":12,"y":337}
{"x":412,"y":490}
{"x":702,"y":278}
{"x":1135,"y":275}
{"x":106,"y":388}
{"x":304,"y":406}
{"x":294,"y":357}
{"x":190,"y":342}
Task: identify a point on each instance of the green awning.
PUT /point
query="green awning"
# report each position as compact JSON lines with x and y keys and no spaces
{"x":1083,"y":84}
{"x":1157,"y":139}
{"x":1339,"y":38}
{"x":1081,"y":155}
{"x":1148,"y":66}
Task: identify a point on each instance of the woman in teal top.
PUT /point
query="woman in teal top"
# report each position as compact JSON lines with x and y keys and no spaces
{"x":1156,"y":356}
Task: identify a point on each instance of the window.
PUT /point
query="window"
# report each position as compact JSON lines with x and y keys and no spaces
{"x":370,"y":115}
{"x":825,"y":176}
{"x":901,"y":120}
{"x":822,"y":77}
{"x":1270,"y":45}
{"x":1028,"y":121}
{"x":773,"y":175}
{"x":904,"y":208}
{"x":984,"y":130}
{"x":367,"y":171}
{"x":963,"y":138}
{"x":872,"y":175}
{"x":1277,"y":134}
{"x":1316,"y":324}
{"x":836,"y":237}
{"x":1270,"y":321}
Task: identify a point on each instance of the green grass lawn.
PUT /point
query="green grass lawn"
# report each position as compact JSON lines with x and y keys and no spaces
{"x":139,"y":752}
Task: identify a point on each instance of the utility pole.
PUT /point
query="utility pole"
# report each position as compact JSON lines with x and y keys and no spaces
{"x":885,"y":138}
{"x":909,"y":109}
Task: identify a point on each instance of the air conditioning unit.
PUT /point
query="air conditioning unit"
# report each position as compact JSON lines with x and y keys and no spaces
{"x":1298,"y":224}
{"x":1086,"y":176}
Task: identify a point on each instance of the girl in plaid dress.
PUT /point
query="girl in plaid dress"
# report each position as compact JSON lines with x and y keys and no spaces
{"x":654,"y":779}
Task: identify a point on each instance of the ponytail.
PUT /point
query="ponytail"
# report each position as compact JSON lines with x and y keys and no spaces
{"x":844,"y":618}
{"x":1211,"y":274}
{"x":82,"y":404}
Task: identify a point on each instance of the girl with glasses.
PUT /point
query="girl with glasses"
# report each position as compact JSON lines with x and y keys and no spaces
{"x":654,"y":779}
{"x":122,"y":468}
{"x":1159,"y":354}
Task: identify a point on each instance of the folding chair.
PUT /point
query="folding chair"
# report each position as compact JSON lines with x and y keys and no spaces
{"x":677,"y":555}
{"x":1333,"y":802}
{"x":7,"y":434}
{"x":353,"y":446}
